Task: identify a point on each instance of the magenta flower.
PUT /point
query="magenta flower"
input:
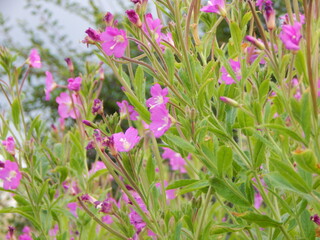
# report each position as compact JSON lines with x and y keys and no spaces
{"x":226,"y":77}
{"x":170,"y":194}
{"x":25,"y":237}
{"x":107,"y":219}
{"x":93,"y":34}
{"x":258,"y":200}
{"x":96,"y":166}
{"x":66,"y":108}
{"x":177,"y":163}
{"x":34,"y":58}
{"x":262,"y":3}
{"x":50,"y":85}
{"x":9,"y":145}
{"x":26,"y":230}
{"x":73,"y":208}
{"x":316,"y":219}
{"x":160,"y":121}
{"x":74,"y":84}
{"x":215,"y":6}
{"x":54,"y":231}
{"x":125,"y":109}
{"x":158,"y":96}
{"x":137,"y":221}
{"x":97,"y":107}
{"x":154,"y":26}
{"x":108,"y":18}
{"x":124,"y":142}
{"x":291,"y":36}
{"x":114,"y":41}
{"x":10,"y":175}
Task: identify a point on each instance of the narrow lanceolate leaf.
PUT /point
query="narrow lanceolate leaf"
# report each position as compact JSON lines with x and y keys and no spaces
{"x":225,"y":228}
{"x":224,"y":159}
{"x":259,"y":219}
{"x":307,"y":160}
{"x":15,"y":110}
{"x":181,"y":183}
{"x":230,"y":192}
{"x":181,"y":143}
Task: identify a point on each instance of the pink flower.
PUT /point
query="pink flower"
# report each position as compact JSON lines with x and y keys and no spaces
{"x":316,"y":219}
{"x":124,"y":142}
{"x":262,"y":3}
{"x":114,"y":42}
{"x":215,"y":6}
{"x":137,"y":221}
{"x":34,"y":58}
{"x":285,"y":18}
{"x":107,"y":219}
{"x":160,"y":121}
{"x":176,"y":161}
{"x":258,"y":200}
{"x":26,"y":230}
{"x":125,"y":109}
{"x":50,"y":85}
{"x":9,"y":145}
{"x":137,"y":197}
{"x":25,"y":237}
{"x":291,"y":36}
{"x":96,"y":166}
{"x":74,"y":84}
{"x":10,"y":175}
{"x":154,"y":26}
{"x":93,"y":34}
{"x":54,"y":231}
{"x":66,"y":108}
{"x":158,"y":96}
{"x":73,"y":208}
{"x":170,"y":194}
{"x":226,"y":77}
{"x":108,"y":18}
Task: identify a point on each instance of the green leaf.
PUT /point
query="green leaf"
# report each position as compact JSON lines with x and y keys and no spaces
{"x":245,"y":121}
{"x":263,"y":91}
{"x":22,"y":212}
{"x":305,"y":117}
{"x":229,"y":192}
{"x":200,"y":184}
{"x":181,"y":143}
{"x":259,"y":153}
{"x":308,"y":226}
{"x":98,"y":173}
{"x":181,"y":183}
{"x":15,"y":111}
{"x":225,"y":228}
{"x":42,"y":191}
{"x":287,"y":171}
{"x":139,"y":84}
{"x":300,"y":65}
{"x":224,"y":159}
{"x":307,"y":160}
{"x":259,"y":219}
{"x":141,"y":109}
{"x":236,"y":35}
{"x":285,"y":131}
{"x":169,"y":59}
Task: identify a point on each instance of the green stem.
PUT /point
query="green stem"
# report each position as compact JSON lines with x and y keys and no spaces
{"x":203,"y":213}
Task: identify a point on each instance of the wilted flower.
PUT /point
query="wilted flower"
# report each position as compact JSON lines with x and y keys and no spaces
{"x":270,"y":15}
{"x":177,"y":163}
{"x":215,"y":6}
{"x":34,"y":58}
{"x":316,"y":219}
{"x":226,"y":77}
{"x":160,"y":121}
{"x":65,"y":108}
{"x":97,"y":107}
{"x":108,"y":18}
{"x":158,"y":96}
{"x":114,"y":41}
{"x":9,"y":145}
{"x":50,"y":85}
{"x":285,"y":18}
{"x":74,"y":84}
{"x":10,"y":175}
{"x":124,"y":142}
{"x":70,"y":64}
{"x":93,"y":35}
{"x":291,"y":36}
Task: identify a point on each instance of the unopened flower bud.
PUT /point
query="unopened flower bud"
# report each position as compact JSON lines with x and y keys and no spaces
{"x":255,"y":42}
{"x":270,"y":16}
{"x":11,"y":232}
{"x":316,"y":219}
{"x":101,"y":73}
{"x":134,"y":17}
{"x":93,"y":35}
{"x":70,"y":64}
{"x":89,"y":124}
{"x":230,"y":101}
{"x":108,"y":18}
{"x":112,"y":148}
